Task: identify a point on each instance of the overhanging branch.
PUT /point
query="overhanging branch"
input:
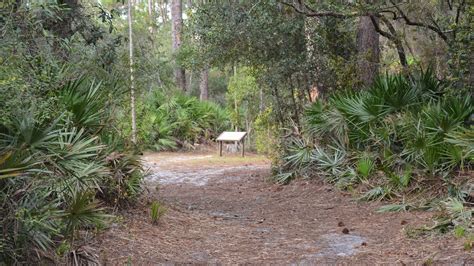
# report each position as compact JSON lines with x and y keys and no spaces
{"x":410,"y":22}
{"x":304,"y":9}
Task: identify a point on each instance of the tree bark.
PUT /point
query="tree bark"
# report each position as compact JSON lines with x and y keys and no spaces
{"x":391,"y":35}
{"x":204,"y":85}
{"x":132,"y":81}
{"x":176,"y":28}
{"x":152,"y":17}
{"x":150,"y":8}
{"x":163,"y":10}
{"x":368,"y":49}
{"x":189,"y":83}
{"x":470,"y":80}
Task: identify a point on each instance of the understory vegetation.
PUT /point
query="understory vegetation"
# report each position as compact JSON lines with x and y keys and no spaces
{"x":374,"y":97}
{"x":64,"y":166}
{"x":180,"y":121}
{"x":405,"y":138}
{"x":58,"y":176}
{"x":68,"y":161}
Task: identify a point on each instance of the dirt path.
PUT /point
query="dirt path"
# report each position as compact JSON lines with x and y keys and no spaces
{"x":224,"y":211}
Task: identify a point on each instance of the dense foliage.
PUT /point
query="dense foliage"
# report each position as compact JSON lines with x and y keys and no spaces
{"x":392,"y":141}
{"x":301,"y":77}
{"x":66,"y":159}
{"x":60,"y":170}
{"x":180,"y":122}
{"x":54,"y":171}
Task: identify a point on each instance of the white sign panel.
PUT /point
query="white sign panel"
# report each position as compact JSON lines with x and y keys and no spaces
{"x":231,"y":136}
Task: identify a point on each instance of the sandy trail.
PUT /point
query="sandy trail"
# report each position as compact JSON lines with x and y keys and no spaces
{"x":225,"y":211}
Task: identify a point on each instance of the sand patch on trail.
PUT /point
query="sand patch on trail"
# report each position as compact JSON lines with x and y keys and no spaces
{"x":166,"y":170}
{"x":197,"y":178}
{"x":164,"y":160}
{"x":339,"y":245}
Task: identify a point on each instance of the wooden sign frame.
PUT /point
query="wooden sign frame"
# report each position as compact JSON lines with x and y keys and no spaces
{"x":229,"y":136}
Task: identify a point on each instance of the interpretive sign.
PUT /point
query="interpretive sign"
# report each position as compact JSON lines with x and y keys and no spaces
{"x":232,"y":136}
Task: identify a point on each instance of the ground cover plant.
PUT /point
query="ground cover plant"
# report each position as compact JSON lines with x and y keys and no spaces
{"x":180,"y":121}
{"x":57,"y":178}
{"x":374,"y":98}
{"x":392,"y":141}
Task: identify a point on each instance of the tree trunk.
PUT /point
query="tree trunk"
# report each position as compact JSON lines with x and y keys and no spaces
{"x":151,"y":17}
{"x":204,"y":85}
{"x":132,"y":81}
{"x":391,"y":35}
{"x":150,"y":8}
{"x":163,"y":10}
{"x":189,"y":83}
{"x":176,"y":27}
{"x":470,"y":80}
{"x":368,"y":48}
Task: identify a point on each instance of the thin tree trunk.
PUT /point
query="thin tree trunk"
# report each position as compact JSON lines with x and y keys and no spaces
{"x":164,"y":14}
{"x":368,"y":48}
{"x":189,"y":83}
{"x":470,"y":79}
{"x":132,"y":81}
{"x":150,"y":8}
{"x":204,"y":85}
{"x":152,"y":18}
{"x":176,"y":27}
{"x":279,"y":105}
{"x":295,"y":105}
{"x":398,"y":44}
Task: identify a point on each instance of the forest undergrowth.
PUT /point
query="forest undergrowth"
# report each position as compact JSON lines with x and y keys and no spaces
{"x":406,"y":140}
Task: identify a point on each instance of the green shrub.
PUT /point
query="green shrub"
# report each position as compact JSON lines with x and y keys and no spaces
{"x":401,"y":180}
{"x":84,"y":104}
{"x":156,"y":211}
{"x":179,"y":121}
{"x":410,"y":128}
{"x":52,"y":118}
{"x":45,"y":174}
{"x":266,"y":134}
{"x":51,"y":173}
{"x":123,"y":185}
{"x":365,"y":166}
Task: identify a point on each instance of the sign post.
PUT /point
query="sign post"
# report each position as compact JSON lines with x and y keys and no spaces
{"x":232,"y":137}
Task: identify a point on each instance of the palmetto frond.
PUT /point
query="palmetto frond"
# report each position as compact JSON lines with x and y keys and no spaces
{"x":463,"y":138}
{"x":82,"y":211}
{"x":84,"y":102}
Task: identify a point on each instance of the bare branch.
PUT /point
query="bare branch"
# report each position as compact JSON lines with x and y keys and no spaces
{"x":450,"y":5}
{"x":434,"y":21}
{"x":419,"y":24}
{"x":308,"y":11}
{"x":394,"y":14}
{"x":459,"y":10}
{"x":458,"y":15}
{"x":385,"y":34}
{"x":392,"y":36}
